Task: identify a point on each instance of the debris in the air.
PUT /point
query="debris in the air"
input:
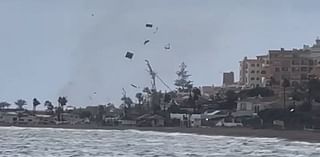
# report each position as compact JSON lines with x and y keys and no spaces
{"x":156,"y":30}
{"x":167,"y":47}
{"x":149,"y":25}
{"x":94,"y":92}
{"x":146,"y":42}
{"x":134,"y":86}
{"x":92,"y":14}
{"x":129,"y":55}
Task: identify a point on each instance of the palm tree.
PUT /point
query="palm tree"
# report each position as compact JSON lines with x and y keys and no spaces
{"x":20,"y":103}
{"x":49,"y":106}
{"x":127,"y":101}
{"x":285,"y":84}
{"x":35,"y":104}
{"x":4,"y":105}
{"x":62,"y":102}
{"x":196,"y":93}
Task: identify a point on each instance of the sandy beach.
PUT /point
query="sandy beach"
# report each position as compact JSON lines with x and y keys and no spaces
{"x":294,"y":135}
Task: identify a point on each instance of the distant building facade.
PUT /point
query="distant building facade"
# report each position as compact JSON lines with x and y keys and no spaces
{"x":296,"y":65}
{"x":250,"y":73}
{"x":228,"y":78}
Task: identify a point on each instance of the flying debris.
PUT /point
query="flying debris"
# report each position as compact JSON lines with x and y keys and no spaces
{"x":129,"y":55}
{"x":146,"y":42}
{"x":94,"y":92}
{"x":92,"y":14}
{"x":167,"y":47}
{"x":156,"y":30}
{"x":149,"y":25}
{"x":134,"y":86}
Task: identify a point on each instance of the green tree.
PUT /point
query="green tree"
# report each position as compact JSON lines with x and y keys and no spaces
{"x":146,"y":90}
{"x":127,"y":101}
{"x":49,"y":106}
{"x":182,"y":82}
{"x":196,"y":93}
{"x":139,"y":97}
{"x":62,"y":102}
{"x":20,"y":103}
{"x":4,"y":105}
{"x":35,"y":103}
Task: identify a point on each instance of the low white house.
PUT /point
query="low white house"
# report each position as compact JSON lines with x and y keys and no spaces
{"x":8,"y":117}
{"x":192,"y":120}
{"x":253,"y":105}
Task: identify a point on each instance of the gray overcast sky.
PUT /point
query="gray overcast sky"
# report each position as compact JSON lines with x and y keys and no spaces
{"x":53,"y":48}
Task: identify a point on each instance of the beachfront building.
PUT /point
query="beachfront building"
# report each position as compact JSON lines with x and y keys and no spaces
{"x":8,"y":117}
{"x":250,"y":73}
{"x":25,"y":118}
{"x":150,"y":120}
{"x":187,"y":120}
{"x":295,"y":65}
{"x":251,"y":106}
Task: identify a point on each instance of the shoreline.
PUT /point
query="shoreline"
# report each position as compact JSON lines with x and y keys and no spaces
{"x":291,"y":135}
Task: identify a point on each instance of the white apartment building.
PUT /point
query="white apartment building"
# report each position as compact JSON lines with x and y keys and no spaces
{"x":250,"y":73}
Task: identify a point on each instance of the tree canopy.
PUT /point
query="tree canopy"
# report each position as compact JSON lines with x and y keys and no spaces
{"x":183,"y":83}
{"x":20,"y":103}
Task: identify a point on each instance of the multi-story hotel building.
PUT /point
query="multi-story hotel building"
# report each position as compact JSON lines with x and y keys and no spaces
{"x":296,"y":65}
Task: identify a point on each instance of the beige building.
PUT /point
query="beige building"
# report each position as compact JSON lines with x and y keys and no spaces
{"x":250,"y":73}
{"x":270,"y":70}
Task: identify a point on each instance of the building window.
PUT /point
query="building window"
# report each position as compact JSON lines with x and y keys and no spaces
{"x":257,"y":85}
{"x":284,"y":69}
{"x":304,"y":77}
{"x":258,"y":71}
{"x":304,"y":69}
{"x":295,"y":69}
{"x":252,"y":71}
{"x":310,"y":69}
{"x":295,"y":62}
{"x":256,"y":109}
{"x":258,"y":65}
{"x":263,"y":72}
{"x":310,"y":62}
{"x":252,"y":78}
{"x":243,"y":107}
{"x":257,"y":78}
{"x":253,"y":65}
{"x":277,"y":69}
{"x":304,"y":62}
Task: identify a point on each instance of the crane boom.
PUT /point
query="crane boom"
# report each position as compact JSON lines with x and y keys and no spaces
{"x":153,"y":76}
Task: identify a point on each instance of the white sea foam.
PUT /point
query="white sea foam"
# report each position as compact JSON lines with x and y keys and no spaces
{"x":35,"y":142}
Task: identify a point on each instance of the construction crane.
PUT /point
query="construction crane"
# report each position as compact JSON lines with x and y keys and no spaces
{"x":154,"y":75}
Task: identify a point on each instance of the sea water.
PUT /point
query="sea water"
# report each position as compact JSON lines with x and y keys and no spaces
{"x":44,"y":142}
